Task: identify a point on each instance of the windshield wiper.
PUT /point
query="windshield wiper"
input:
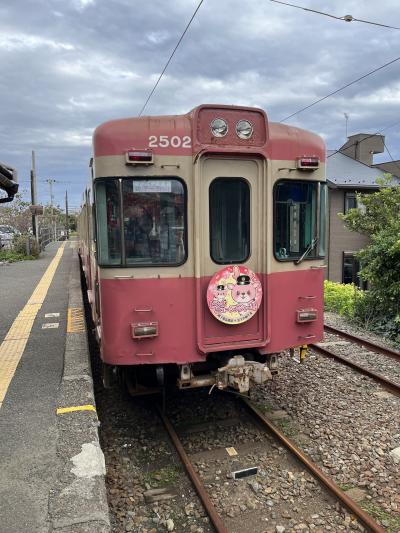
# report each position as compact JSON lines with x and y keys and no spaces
{"x":307,"y":251}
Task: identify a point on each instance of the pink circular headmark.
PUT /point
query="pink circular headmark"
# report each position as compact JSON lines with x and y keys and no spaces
{"x":234,"y":294}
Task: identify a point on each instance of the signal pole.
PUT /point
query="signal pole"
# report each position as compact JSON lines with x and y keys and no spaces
{"x":34,"y":198}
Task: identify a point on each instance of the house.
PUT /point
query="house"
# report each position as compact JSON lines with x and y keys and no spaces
{"x":349,"y":170}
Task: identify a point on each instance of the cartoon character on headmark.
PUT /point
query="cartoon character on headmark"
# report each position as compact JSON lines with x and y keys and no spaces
{"x":218,"y":302}
{"x":244,"y":292}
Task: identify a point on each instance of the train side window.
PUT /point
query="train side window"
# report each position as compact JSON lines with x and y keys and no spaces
{"x":108,"y":223}
{"x":154,"y":211}
{"x":229,"y":220}
{"x":296,"y":226}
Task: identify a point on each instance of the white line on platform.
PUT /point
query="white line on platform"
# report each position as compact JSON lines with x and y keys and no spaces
{"x":50,"y":325}
{"x":51,"y":315}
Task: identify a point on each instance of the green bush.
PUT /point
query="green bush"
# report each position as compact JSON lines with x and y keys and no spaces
{"x":342,"y":298}
{"x":11,"y":257}
{"x":25,"y":245}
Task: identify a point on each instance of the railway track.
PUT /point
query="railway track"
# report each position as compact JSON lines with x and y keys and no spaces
{"x":367,"y":521}
{"x":389,"y":384}
{"x":364,"y":342}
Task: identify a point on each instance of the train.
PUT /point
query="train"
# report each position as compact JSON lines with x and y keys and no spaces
{"x":202,"y":240}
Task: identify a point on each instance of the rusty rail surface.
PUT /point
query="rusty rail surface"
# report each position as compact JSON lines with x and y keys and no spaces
{"x":362,"y":516}
{"x":198,"y":485}
{"x":391,"y":385}
{"x":364,"y":342}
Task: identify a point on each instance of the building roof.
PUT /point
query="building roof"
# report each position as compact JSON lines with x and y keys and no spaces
{"x":393,"y":167}
{"x":344,"y":171}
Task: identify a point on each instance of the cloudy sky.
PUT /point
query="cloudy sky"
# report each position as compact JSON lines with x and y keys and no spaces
{"x":69,"y":65}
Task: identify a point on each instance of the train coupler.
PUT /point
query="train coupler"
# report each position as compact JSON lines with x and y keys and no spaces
{"x":238,"y":373}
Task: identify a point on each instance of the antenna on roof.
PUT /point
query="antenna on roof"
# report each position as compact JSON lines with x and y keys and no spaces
{"x":346,"y":116}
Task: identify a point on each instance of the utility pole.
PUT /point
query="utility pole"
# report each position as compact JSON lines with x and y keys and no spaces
{"x":35,"y":229}
{"x":50,"y":182}
{"x":66,"y":214}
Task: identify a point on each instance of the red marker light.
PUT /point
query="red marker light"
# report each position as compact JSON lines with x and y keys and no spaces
{"x":134,"y":157}
{"x":307,"y":163}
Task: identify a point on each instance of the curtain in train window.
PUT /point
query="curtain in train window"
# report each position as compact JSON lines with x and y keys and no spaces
{"x":295,"y":225}
{"x":154,"y":221}
{"x":229,"y":220}
{"x":108,"y":223}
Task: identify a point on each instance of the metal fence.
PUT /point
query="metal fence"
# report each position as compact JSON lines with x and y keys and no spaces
{"x":46,"y":235}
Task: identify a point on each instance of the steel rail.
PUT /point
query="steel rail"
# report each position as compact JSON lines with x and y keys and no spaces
{"x":198,"y":485}
{"x":364,"y":342}
{"x":391,"y":385}
{"x":363,"y":517}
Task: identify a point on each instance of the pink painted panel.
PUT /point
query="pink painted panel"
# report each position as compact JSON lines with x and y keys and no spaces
{"x":184,"y":135}
{"x":171,"y":303}
{"x":288,"y":293}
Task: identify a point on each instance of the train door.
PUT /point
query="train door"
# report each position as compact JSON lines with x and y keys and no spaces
{"x":230,"y":217}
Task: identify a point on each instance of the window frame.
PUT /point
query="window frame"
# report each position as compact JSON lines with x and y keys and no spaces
{"x":316,"y":226}
{"x":356,"y":279}
{"x":230,"y":178}
{"x":120,"y":179}
{"x":350,"y":194}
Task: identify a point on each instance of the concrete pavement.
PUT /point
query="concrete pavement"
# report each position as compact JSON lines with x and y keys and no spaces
{"x":51,"y":464}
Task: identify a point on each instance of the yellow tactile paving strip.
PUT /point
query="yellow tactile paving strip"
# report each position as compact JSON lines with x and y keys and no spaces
{"x":13,"y":346}
{"x":75,"y":320}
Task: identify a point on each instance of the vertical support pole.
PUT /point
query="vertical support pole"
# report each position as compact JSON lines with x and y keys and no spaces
{"x":66,"y":215}
{"x":34,"y":201}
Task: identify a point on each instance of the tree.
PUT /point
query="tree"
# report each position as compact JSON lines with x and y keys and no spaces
{"x":379,"y":209}
{"x":16,"y":214}
{"x":380,"y":259}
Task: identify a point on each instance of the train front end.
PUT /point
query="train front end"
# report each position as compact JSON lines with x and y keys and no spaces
{"x":209,"y":245}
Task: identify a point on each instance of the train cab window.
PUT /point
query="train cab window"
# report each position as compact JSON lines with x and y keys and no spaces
{"x":108,"y":223}
{"x":229,"y":220}
{"x":298,"y":229}
{"x":154,"y":221}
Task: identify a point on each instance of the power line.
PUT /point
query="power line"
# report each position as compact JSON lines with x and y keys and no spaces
{"x":340,"y":89}
{"x":170,"y":57}
{"x":345,"y":18}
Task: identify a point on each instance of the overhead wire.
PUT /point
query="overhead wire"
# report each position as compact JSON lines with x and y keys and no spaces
{"x":170,"y":58}
{"x":345,"y":18}
{"x":341,"y":89}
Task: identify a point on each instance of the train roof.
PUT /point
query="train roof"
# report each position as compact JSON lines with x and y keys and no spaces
{"x":190,"y":134}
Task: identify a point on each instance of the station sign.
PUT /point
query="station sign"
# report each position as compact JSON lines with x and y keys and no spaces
{"x":36,"y":209}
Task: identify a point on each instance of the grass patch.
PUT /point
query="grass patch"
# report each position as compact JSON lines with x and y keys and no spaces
{"x":391,"y":523}
{"x":346,"y":486}
{"x":162,"y":477}
{"x":287,"y":427}
{"x":13,"y":257}
{"x":265,"y":407}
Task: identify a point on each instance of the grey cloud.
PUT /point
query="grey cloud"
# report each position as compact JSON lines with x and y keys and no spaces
{"x":68,"y":66}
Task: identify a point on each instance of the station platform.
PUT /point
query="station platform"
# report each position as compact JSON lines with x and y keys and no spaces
{"x":51,"y":464}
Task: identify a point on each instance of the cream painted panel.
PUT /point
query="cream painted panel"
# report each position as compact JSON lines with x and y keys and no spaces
{"x":206,"y":170}
{"x":286,"y":170}
{"x":164,"y":166}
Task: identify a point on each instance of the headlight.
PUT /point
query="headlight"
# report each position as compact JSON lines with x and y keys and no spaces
{"x":244,"y":129}
{"x":219,"y":128}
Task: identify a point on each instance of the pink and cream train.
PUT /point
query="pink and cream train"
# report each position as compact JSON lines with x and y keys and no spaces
{"x":202,"y":239}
